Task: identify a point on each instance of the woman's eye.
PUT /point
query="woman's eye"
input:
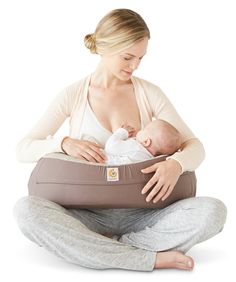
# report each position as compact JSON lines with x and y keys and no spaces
{"x":127,"y":59}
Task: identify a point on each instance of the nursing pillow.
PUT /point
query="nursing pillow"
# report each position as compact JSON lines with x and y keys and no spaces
{"x":75,"y":183}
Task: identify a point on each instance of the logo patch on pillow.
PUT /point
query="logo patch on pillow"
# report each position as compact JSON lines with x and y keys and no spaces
{"x":112,"y":174}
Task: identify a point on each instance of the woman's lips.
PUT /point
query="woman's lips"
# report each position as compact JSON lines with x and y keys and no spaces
{"x":127,"y":72}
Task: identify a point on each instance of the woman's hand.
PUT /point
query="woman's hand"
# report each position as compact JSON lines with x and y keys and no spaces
{"x":83,"y":150}
{"x":163,"y":181}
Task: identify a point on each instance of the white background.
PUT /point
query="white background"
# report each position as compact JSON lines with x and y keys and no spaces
{"x":191,"y":56}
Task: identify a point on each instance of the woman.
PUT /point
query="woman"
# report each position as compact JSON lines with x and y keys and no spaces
{"x":97,"y":105}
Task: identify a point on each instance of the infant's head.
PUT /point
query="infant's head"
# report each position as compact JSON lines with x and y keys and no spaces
{"x":160,"y":138}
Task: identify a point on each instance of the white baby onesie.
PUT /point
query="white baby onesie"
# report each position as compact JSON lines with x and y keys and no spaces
{"x":120,"y":149}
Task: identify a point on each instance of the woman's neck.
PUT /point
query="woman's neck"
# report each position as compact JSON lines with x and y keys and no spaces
{"x":103,"y":78}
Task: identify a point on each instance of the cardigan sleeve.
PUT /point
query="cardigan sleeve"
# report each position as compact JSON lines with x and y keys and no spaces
{"x":39,"y":140}
{"x":192,"y":153}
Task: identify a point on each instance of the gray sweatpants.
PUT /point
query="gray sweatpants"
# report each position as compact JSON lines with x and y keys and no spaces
{"x":75,"y":234}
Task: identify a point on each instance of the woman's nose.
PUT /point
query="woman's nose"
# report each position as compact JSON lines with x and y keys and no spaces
{"x":134,"y":65}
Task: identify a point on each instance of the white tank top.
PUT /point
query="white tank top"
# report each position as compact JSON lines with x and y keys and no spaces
{"x":91,"y":127}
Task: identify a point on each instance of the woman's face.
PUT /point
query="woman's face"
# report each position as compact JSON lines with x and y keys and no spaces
{"x":123,"y":64}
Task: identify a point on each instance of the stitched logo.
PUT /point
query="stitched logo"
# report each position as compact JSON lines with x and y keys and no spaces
{"x":112,"y":174}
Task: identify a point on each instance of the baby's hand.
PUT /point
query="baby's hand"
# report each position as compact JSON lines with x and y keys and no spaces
{"x":129,"y":128}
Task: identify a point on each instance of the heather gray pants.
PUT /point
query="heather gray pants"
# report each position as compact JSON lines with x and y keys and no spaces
{"x":75,"y":235}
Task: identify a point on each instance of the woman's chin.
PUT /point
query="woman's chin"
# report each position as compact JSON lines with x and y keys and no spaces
{"x":124,"y":77}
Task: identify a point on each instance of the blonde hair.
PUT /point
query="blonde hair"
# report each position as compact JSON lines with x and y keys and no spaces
{"x":116,"y":31}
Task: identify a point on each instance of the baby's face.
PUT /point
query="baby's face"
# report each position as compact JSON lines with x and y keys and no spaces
{"x":143,"y":134}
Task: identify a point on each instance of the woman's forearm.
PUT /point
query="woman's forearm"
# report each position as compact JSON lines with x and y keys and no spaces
{"x":31,"y":150}
{"x":40,"y":141}
{"x":191,"y":155}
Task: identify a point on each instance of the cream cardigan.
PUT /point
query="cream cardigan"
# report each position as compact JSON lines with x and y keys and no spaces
{"x":71,"y":103}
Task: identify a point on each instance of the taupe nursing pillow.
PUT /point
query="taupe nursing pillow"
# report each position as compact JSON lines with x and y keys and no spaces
{"x":80,"y":184}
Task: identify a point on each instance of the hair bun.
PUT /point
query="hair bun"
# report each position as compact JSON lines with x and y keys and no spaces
{"x":90,"y":42}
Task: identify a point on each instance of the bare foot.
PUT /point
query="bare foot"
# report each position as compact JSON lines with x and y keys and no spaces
{"x":173,"y":259}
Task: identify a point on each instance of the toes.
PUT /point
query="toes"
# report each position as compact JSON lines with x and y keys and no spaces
{"x":182,"y":266}
{"x":190,"y":263}
{"x":184,"y":261}
{"x":174,"y":259}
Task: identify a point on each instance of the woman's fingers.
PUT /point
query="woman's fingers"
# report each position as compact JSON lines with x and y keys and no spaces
{"x":98,"y":154}
{"x":94,"y":144}
{"x":89,"y":151}
{"x":161,"y":193}
{"x":154,"y":191}
{"x":79,"y":157}
{"x":92,"y":152}
{"x":153,"y":180}
{"x":87,"y":156}
{"x":92,"y":155}
{"x":167,"y":194}
{"x":162,"y":183}
{"x":149,"y":169}
{"x":85,"y":150}
{"x":149,"y":185}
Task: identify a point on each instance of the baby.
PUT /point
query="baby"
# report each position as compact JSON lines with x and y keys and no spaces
{"x":157,"y":138}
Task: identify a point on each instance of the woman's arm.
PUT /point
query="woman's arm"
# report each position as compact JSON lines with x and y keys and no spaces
{"x":191,"y":155}
{"x":192,"y":152}
{"x":39,"y":141}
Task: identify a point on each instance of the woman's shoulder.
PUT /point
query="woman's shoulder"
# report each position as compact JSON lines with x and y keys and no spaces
{"x":71,"y":94}
{"x":145,"y":84}
{"x":149,"y":88}
{"x":77,"y":86}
